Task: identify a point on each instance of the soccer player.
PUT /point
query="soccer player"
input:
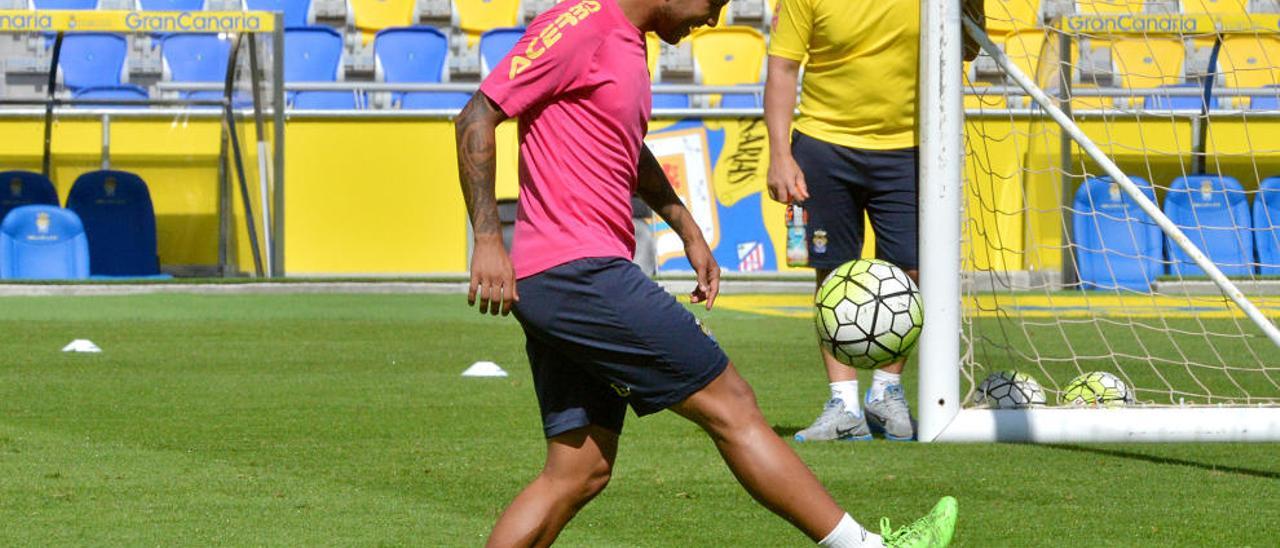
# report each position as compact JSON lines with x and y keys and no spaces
{"x":852,"y":150}
{"x":600,"y":335}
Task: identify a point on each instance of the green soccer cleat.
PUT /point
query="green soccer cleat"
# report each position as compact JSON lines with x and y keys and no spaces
{"x":934,"y":530}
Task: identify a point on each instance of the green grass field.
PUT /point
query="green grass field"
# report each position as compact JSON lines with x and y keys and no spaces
{"x":342,"y":420}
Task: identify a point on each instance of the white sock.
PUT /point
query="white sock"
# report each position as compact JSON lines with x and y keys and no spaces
{"x":848,"y":534}
{"x":847,"y":391}
{"x":880,"y":380}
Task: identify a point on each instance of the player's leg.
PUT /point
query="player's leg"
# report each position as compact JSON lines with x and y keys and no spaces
{"x":581,"y":419}
{"x":835,"y":236}
{"x":892,"y":205}
{"x":578,"y":466}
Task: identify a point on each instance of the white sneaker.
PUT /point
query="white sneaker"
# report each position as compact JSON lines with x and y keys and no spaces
{"x":836,"y":423}
{"x":891,"y":414}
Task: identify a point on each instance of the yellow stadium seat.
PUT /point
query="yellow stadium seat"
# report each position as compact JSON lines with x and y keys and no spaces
{"x":1008,"y":16}
{"x":1147,"y":62}
{"x":1249,"y":60}
{"x":1090,"y":102}
{"x":653,"y":49}
{"x":371,"y":16}
{"x":473,"y":17}
{"x":728,"y":56}
{"x":1035,"y":52}
{"x":1217,"y":7}
{"x":976,"y":98}
{"x":1110,"y":7}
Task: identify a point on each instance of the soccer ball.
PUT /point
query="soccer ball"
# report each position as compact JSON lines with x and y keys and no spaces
{"x":1097,"y":389}
{"x":1009,"y":390}
{"x":869,"y":313}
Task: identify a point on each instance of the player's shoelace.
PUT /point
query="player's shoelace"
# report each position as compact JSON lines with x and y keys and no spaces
{"x":895,"y":399}
{"x":889,"y":535}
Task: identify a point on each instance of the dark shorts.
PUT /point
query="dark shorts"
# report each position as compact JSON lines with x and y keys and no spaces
{"x":601,"y":335}
{"x":843,"y":183}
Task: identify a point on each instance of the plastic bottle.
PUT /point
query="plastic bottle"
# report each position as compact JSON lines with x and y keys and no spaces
{"x":797,"y":242}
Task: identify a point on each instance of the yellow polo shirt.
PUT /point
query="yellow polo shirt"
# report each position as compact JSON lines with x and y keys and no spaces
{"x":861,"y":72}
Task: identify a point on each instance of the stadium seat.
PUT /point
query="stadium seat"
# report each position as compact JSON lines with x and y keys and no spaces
{"x":1120,"y":246}
{"x":20,"y":188}
{"x":297,"y":13}
{"x":199,"y":58}
{"x":370,"y":16}
{"x":741,"y":100}
{"x":1008,"y":16}
{"x":1179,"y":102}
{"x":119,"y":221}
{"x":1266,"y":224}
{"x":122,"y":91}
{"x":1110,"y":7}
{"x":727,"y":56}
{"x":171,"y":5}
{"x":416,"y":55}
{"x":1265,"y":103}
{"x":64,"y":4}
{"x":477,"y":17}
{"x":670,"y":100}
{"x":1213,"y":211}
{"x":1250,"y":60}
{"x":495,"y":44}
{"x":1147,"y":61}
{"x":314,"y":54}
{"x":1026,"y":49}
{"x":1216,"y":7}
{"x":43,"y":242}
{"x":92,"y":59}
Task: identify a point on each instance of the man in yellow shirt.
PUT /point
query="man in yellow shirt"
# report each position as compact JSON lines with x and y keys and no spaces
{"x":851,"y":150}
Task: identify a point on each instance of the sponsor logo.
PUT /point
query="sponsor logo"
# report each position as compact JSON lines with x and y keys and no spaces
{"x":26,"y":21}
{"x":1206,"y":190}
{"x":1133,"y":23}
{"x":750,"y":257}
{"x":192,"y":21}
{"x":109,"y":187}
{"x":42,"y":223}
{"x":550,"y":34}
{"x":15,"y":187}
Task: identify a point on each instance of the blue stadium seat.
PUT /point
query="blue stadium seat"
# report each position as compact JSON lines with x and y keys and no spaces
{"x":199,"y":58}
{"x":416,"y":55}
{"x":297,"y":13}
{"x":20,"y":188}
{"x":740,"y":100}
{"x":120,"y":222}
{"x":43,"y":242}
{"x":91,"y":59}
{"x":1213,"y":211}
{"x":1120,"y":246}
{"x":314,"y":54}
{"x":1266,"y":223}
{"x":1183,"y":102}
{"x":1265,"y":103}
{"x":670,"y":100}
{"x":171,"y":5}
{"x":65,"y":4}
{"x":495,"y":44}
{"x":122,"y":91}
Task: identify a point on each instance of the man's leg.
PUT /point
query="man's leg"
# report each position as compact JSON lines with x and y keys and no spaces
{"x":841,"y":417}
{"x":770,"y":471}
{"x":578,"y":466}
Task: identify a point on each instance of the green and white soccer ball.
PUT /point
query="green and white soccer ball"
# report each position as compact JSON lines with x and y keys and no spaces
{"x":1009,"y":390}
{"x":869,"y":313}
{"x":1097,"y":389}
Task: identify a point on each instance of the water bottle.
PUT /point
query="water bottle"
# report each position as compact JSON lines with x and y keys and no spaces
{"x":797,"y":243}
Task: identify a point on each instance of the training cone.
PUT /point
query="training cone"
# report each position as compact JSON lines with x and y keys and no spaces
{"x":484,"y":369}
{"x":81,"y":345}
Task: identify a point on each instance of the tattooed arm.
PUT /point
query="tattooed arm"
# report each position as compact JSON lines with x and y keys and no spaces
{"x":655,"y":190}
{"x":493,"y":279}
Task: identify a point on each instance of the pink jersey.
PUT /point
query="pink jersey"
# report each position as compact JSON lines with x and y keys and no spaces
{"x":579,"y":84}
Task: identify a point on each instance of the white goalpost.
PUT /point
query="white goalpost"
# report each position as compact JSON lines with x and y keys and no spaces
{"x":1003,"y":251}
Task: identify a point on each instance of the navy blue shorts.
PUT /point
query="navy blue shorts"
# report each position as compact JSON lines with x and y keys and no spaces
{"x":601,"y":335}
{"x":845,"y":182}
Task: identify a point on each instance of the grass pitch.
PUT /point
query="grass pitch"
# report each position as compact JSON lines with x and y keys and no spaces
{"x":342,"y":420}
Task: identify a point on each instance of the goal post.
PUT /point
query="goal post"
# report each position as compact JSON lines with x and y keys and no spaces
{"x":992,"y":301}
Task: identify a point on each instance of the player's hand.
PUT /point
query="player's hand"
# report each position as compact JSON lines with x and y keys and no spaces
{"x":786,"y":181}
{"x":704,"y":264}
{"x":493,"y":279}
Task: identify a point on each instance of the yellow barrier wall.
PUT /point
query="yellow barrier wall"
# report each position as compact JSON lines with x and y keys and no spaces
{"x":381,"y":196}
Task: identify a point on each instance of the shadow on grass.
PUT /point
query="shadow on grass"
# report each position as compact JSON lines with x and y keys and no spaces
{"x":787,"y":432}
{"x":1267,"y":474}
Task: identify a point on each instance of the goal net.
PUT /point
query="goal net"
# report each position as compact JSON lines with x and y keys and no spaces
{"x":1120,"y":197}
